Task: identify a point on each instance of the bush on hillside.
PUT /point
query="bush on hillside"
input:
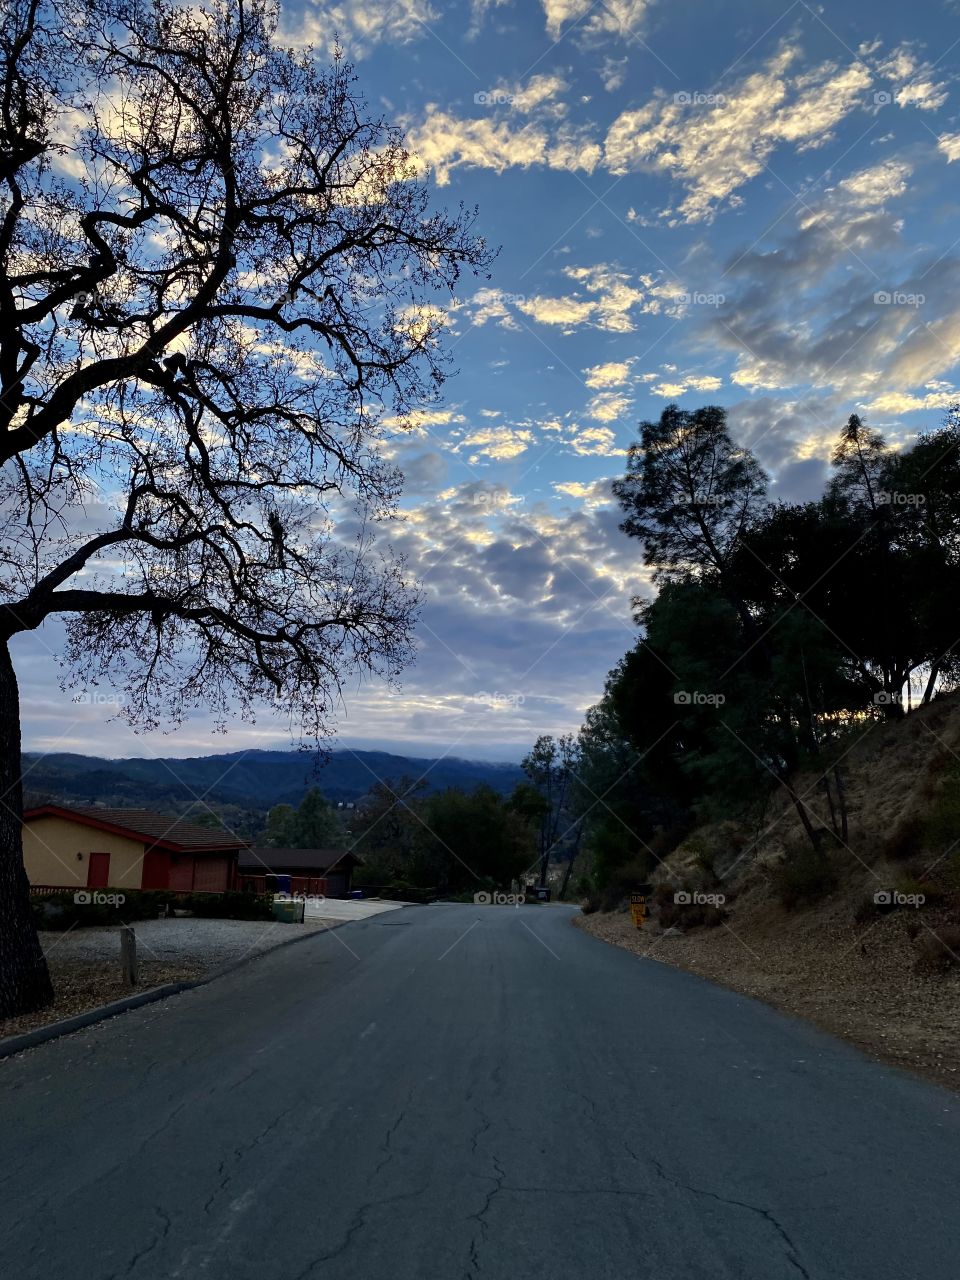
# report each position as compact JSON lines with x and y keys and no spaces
{"x":804,"y":876}
{"x":939,"y":949}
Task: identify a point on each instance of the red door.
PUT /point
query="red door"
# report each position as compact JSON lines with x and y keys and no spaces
{"x":98,"y":871}
{"x":156,"y":869}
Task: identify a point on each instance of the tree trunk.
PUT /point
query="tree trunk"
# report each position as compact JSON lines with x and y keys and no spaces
{"x":24,"y":980}
{"x":842,"y":799}
{"x":570,"y":861}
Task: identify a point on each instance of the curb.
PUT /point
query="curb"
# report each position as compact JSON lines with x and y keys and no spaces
{"x":100,"y":1013}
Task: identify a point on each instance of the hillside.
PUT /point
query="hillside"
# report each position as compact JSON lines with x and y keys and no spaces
{"x":843,"y":954}
{"x":246,"y":782}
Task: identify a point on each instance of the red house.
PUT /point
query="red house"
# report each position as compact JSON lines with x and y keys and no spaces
{"x":89,"y":847}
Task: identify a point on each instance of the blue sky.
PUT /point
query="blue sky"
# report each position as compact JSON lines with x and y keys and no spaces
{"x":746,"y":204}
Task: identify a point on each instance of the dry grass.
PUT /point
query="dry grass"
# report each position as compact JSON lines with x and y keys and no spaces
{"x":82,"y":985}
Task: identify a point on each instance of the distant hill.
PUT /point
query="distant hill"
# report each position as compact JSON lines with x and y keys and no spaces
{"x":247,"y":781}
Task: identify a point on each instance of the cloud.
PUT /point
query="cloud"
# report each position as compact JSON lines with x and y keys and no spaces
{"x":496,"y":443}
{"x":594,"y":442}
{"x":897,"y":402}
{"x":913,"y":81}
{"x":522,"y":126}
{"x":612,"y":374}
{"x":359,"y":25}
{"x":949,"y":144}
{"x":609,"y":18}
{"x":608,"y":406}
{"x":715,"y":147}
{"x":613,"y":72}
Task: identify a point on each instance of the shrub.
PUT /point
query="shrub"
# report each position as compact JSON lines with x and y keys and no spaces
{"x":937,"y":951}
{"x":60,"y":909}
{"x":230,"y":906}
{"x":590,"y":904}
{"x":623,"y":881}
{"x":905,"y":838}
{"x":805,"y":875}
{"x":913,"y":886}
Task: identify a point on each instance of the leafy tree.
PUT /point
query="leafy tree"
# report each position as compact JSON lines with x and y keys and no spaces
{"x":476,"y":838}
{"x":281,"y":828}
{"x":689,"y":492}
{"x":318,"y":825}
{"x":551,"y":768}
{"x":199,"y":326}
{"x":388,"y":832}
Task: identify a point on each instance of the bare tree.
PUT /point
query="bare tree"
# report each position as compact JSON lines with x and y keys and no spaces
{"x":218,"y":275}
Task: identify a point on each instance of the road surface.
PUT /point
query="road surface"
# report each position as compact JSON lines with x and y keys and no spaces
{"x":470,"y":1093}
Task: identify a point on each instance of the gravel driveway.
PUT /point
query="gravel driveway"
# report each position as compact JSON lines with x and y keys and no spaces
{"x":207,"y":944}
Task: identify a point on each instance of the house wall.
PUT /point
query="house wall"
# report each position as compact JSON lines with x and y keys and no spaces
{"x":51,"y":845}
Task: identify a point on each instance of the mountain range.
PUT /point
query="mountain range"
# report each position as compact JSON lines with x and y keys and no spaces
{"x":244,"y":780}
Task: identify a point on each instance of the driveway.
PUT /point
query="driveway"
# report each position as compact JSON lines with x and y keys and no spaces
{"x":347,"y":908}
{"x":454,"y":1092}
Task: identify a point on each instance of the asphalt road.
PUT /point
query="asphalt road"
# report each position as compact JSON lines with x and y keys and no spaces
{"x":463,"y":1093}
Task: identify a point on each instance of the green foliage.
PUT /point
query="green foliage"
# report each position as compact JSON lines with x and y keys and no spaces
{"x":473,"y":837}
{"x":61,"y":910}
{"x":804,"y":876}
{"x":230,"y":906}
{"x":315,"y":825}
{"x":939,"y":827}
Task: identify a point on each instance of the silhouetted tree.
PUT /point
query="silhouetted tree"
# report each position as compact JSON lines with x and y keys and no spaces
{"x":215,"y":266}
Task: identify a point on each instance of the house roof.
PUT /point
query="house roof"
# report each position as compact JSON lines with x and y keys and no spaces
{"x":264,"y":858}
{"x":159,"y":830}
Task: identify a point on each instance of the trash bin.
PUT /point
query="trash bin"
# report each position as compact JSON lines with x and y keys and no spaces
{"x":288,"y":910}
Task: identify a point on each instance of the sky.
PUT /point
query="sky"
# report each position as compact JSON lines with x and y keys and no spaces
{"x":745,"y":204}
